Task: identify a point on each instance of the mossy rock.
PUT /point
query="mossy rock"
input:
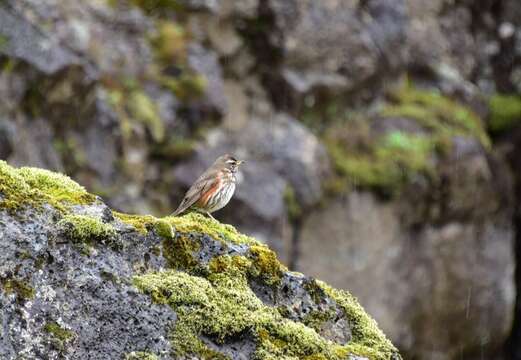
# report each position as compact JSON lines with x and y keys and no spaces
{"x":135,"y":107}
{"x":505,"y":112}
{"x":32,"y":187}
{"x":210,"y":275}
{"x":83,"y":228}
{"x":387,"y":162}
{"x":141,"y":355}
{"x":22,"y":289}
{"x":59,"y":334}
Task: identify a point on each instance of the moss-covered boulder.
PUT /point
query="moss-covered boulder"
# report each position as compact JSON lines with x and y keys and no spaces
{"x":176,"y":287}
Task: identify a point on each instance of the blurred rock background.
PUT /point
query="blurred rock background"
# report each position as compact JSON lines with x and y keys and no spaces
{"x":382,"y":138}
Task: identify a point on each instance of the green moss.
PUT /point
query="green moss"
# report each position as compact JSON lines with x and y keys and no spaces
{"x":21,"y":288}
{"x":368,"y":340}
{"x":143,"y":109}
{"x":265,"y":265}
{"x":164,"y":229}
{"x":386,"y":162}
{"x":437,"y":113}
{"x":170,"y":42}
{"x":190,"y":223}
{"x":59,"y":332}
{"x":176,"y":148}
{"x":315,"y":319}
{"x":35,"y":187}
{"x":153,"y":6}
{"x":142,"y":223}
{"x":292,"y":205}
{"x":170,"y":49}
{"x":141,"y":355}
{"x":222,"y":305}
{"x":4,"y":42}
{"x":229,"y":264}
{"x":59,"y":335}
{"x":197,"y":223}
{"x":82,"y":228}
{"x":179,"y":251}
{"x":505,"y":112}
{"x":186,"y":87}
{"x":135,"y":107}
{"x":394,"y":160}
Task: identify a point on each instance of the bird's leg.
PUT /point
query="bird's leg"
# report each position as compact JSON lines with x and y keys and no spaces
{"x":210,"y":215}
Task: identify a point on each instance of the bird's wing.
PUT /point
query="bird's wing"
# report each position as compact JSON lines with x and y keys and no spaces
{"x":205,"y":182}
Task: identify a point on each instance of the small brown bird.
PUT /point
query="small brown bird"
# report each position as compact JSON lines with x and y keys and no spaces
{"x":213,"y":189}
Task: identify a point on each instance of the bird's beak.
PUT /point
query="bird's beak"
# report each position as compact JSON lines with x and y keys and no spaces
{"x":240,"y":162}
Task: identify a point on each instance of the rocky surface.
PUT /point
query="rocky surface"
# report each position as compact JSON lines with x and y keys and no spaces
{"x":447,"y":272}
{"x":80,"y":281}
{"x":383,"y":135}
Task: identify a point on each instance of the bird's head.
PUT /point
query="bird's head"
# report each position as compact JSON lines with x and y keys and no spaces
{"x":229,"y":162}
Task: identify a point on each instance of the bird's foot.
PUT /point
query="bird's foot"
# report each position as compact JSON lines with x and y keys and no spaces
{"x":210,"y":215}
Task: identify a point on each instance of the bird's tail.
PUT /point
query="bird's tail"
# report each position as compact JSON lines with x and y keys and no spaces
{"x":180,"y":209}
{"x":175,"y":213}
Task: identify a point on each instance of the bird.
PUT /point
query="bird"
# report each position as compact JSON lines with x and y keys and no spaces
{"x":213,"y":189}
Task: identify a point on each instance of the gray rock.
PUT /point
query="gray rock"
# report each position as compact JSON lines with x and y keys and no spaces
{"x":91,"y":296}
{"x":23,"y":40}
{"x":428,"y":276}
{"x":205,"y":62}
{"x":337,"y":45}
{"x":32,"y":142}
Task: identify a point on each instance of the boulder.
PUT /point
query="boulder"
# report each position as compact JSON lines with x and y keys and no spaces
{"x":350,"y":49}
{"x":23,"y":41}
{"x":79,"y":280}
{"x":447,"y":260}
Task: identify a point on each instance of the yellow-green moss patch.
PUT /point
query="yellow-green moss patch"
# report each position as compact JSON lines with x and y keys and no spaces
{"x":58,"y":332}
{"x":142,"y":223}
{"x":505,"y":112}
{"x":164,"y":229}
{"x":393,"y":160}
{"x":437,"y":113}
{"x":157,"y":5}
{"x":135,"y":107}
{"x":222,"y":305}
{"x":85,"y":228}
{"x":19,"y":287}
{"x":387,"y":160}
{"x":190,"y":223}
{"x":198,"y":223}
{"x":170,"y":42}
{"x":32,"y":186}
{"x":368,"y":340}
{"x":140,"y":355}
{"x":265,"y":264}
{"x":59,"y":335}
{"x":180,"y":251}
{"x":292,"y":205}
{"x":188,"y":86}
